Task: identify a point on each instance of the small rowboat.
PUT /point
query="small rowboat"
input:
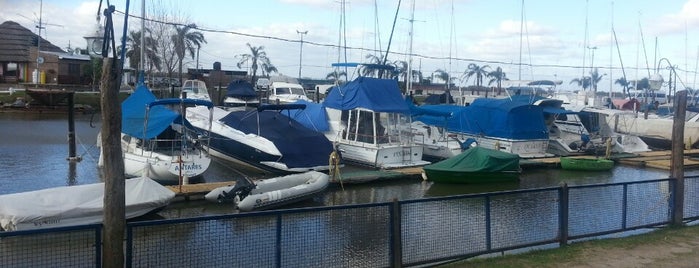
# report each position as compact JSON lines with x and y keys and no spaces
{"x":589,"y":164}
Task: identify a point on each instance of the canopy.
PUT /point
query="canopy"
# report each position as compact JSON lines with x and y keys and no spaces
{"x":378,"y":95}
{"x":478,"y":159}
{"x":313,"y":117}
{"x":240,"y":89}
{"x":134,"y":108}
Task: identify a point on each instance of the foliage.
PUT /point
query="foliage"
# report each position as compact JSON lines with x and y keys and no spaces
{"x":186,"y":41}
{"x":478,"y":71}
{"x":257,"y":58}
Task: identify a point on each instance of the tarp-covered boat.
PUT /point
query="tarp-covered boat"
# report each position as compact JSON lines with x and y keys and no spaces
{"x":475,"y":165}
{"x":273,"y":192}
{"x":76,"y":205}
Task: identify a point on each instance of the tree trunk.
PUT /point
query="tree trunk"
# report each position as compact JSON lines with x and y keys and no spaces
{"x":113,"y":171}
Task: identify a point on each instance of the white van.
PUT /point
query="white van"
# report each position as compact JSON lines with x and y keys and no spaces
{"x":283,"y":92}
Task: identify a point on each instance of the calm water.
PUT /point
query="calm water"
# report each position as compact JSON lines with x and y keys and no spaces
{"x":34,"y":150}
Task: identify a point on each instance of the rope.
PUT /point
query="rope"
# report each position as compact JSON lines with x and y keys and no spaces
{"x":334,"y":168}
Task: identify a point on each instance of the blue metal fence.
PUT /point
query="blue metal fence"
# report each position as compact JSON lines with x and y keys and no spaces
{"x":393,"y":234}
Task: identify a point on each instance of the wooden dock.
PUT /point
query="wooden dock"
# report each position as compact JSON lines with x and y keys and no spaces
{"x":653,"y":159}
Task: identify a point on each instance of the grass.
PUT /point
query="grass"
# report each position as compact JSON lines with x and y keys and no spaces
{"x":576,"y":254}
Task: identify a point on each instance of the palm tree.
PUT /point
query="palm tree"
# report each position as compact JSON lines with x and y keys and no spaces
{"x":133,"y":51}
{"x":257,"y":58}
{"x":267,"y":68}
{"x":583,"y":82}
{"x":444,"y":76}
{"x":497,"y":76}
{"x":623,"y":83}
{"x":186,"y":41}
{"x":594,"y":79}
{"x":401,"y":70}
{"x":335,"y":76}
{"x":478,"y":71}
{"x":368,"y":70}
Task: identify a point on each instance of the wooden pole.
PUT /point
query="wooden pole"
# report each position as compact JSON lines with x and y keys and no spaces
{"x":114,"y":178}
{"x":677,"y":160}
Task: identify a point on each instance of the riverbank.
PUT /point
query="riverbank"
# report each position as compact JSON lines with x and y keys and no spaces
{"x":666,"y":247}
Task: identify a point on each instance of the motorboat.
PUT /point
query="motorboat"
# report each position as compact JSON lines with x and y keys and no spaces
{"x":157,"y":141}
{"x":240,"y":94}
{"x":475,"y":165}
{"x":77,"y":205}
{"x":500,"y":124}
{"x":271,"y":193}
{"x":264,"y":139}
{"x":366,"y":122}
{"x":284,"y":92}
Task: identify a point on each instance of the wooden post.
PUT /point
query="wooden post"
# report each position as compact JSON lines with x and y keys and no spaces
{"x":677,"y":160}
{"x":71,"y":129}
{"x":114,"y":178}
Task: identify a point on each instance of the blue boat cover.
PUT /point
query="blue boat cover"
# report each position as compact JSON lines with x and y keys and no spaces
{"x":241,"y":89}
{"x":300,"y":146}
{"x":133,"y":113}
{"x":501,"y":118}
{"x":378,"y":95}
{"x":313,"y":117}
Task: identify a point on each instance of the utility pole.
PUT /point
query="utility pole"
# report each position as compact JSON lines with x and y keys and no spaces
{"x":301,"y":50}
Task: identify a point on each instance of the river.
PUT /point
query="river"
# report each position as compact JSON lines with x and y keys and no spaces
{"x":34,"y":150}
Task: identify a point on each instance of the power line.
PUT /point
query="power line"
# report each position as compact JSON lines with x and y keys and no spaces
{"x":332,"y":46}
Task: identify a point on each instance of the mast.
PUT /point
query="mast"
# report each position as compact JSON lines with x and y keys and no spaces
{"x":37,"y":76}
{"x":409,"y":82}
{"x":143,"y":35}
{"x":611,"y":53}
{"x":521,"y":30}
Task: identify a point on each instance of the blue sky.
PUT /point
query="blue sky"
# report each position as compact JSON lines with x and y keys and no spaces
{"x":484,"y":32}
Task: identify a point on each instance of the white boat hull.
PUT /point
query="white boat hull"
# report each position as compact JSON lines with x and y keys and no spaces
{"x":166,"y":168}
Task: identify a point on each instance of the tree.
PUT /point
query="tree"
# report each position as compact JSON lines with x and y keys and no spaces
{"x":335,"y":76}
{"x":497,"y":76}
{"x":133,"y":50}
{"x":478,"y":71}
{"x":623,"y":83}
{"x":368,"y":70}
{"x":257,"y":57}
{"x":444,"y":76}
{"x":268,"y":68}
{"x":185,"y":40}
{"x":582,"y":82}
{"x":401,"y":70}
{"x":594,"y":79}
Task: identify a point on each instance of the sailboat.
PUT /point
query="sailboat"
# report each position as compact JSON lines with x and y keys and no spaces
{"x":158,"y":142}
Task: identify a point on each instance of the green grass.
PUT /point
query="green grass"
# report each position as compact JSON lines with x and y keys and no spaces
{"x":577,"y":253}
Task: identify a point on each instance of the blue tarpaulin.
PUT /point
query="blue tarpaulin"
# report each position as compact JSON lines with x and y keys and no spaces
{"x":379,"y":95}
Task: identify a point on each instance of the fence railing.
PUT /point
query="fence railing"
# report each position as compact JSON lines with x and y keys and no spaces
{"x":390,"y":234}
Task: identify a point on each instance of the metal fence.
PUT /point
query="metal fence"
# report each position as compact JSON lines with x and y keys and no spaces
{"x":393,"y":234}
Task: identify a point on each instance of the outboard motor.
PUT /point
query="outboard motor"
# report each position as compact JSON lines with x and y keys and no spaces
{"x":242,"y":189}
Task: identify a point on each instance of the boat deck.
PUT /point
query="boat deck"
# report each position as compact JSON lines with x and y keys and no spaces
{"x":653,"y":159}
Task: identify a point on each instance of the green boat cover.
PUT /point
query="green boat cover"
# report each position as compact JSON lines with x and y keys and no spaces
{"x":478,"y":159}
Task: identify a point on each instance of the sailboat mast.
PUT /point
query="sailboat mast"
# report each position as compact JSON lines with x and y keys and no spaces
{"x":611,"y":52}
{"x":521,"y":31}
{"x":409,"y":76}
{"x":143,"y":35}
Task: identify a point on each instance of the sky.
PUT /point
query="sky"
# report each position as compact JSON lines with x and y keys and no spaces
{"x":528,"y":39}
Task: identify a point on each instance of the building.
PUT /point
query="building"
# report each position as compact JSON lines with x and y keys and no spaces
{"x":27,"y":58}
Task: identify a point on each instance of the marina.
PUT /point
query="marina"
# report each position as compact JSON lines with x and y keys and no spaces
{"x":36,"y":150}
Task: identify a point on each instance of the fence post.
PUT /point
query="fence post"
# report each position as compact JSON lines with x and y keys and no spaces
{"x":563,"y":214}
{"x":396,"y":241}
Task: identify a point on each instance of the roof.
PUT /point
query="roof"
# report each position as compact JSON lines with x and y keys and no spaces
{"x":16,"y":41}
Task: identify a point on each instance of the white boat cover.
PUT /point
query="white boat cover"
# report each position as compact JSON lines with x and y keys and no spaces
{"x":76,"y":205}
